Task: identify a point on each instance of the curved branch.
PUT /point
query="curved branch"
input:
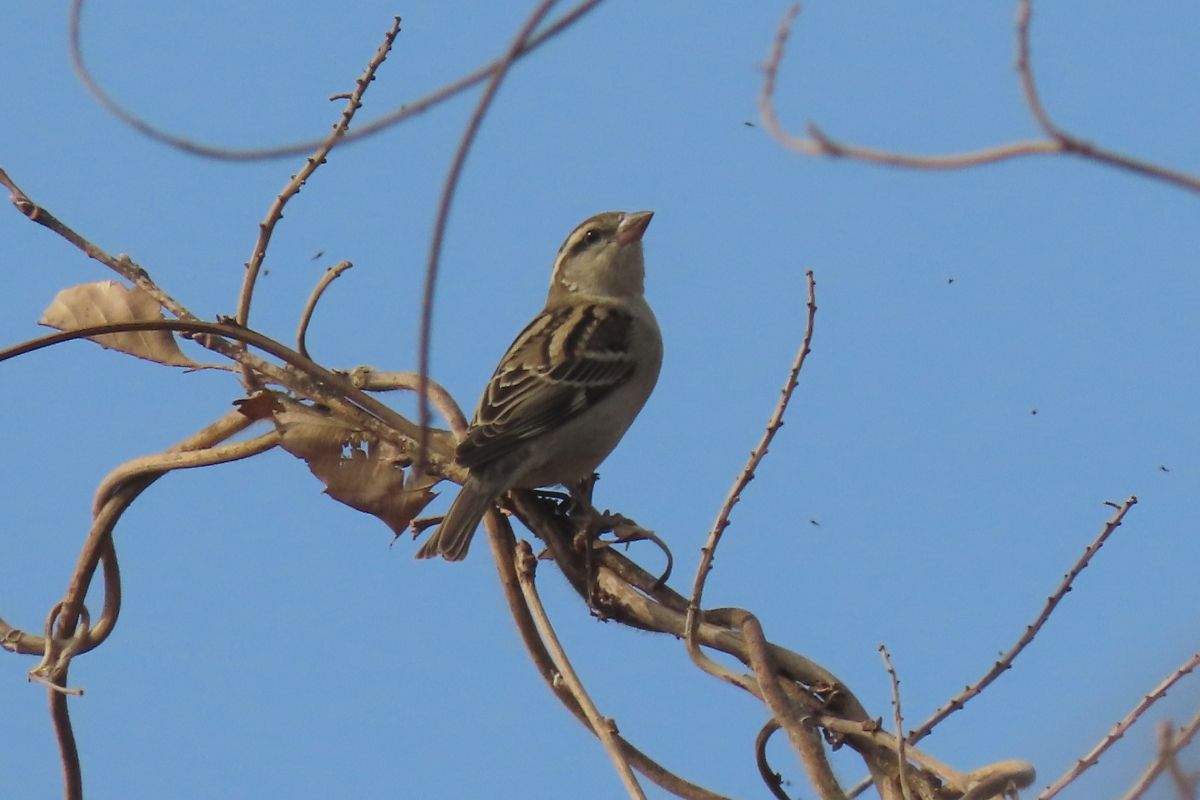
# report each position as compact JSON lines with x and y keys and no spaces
{"x":503,"y":544}
{"x":379,"y":418}
{"x":404,"y":112}
{"x":443,"y":215}
{"x":330,"y":275}
{"x":374,"y":380}
{"x":771,"y":778}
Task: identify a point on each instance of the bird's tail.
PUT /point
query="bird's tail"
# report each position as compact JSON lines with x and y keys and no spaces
{"x":453,"y":536}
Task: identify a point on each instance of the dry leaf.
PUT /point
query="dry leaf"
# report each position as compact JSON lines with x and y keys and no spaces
{"x":107,"y":303}
{"x":260,"y":405}
{"x":359,"y":469}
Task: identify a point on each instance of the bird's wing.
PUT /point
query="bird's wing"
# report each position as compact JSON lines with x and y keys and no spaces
{"x":564,"y":362}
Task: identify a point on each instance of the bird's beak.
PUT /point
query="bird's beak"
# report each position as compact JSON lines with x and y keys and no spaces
{"x":633,"y":226}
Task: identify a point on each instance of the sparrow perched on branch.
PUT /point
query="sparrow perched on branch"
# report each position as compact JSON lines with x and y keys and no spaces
{"x":569,"y":386}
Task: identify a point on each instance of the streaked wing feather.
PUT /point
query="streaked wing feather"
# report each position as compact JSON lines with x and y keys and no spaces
{"x":564,"y":362}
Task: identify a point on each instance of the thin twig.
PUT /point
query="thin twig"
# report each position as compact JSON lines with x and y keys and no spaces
{"x":121,"y":264}
{"x":329,"y":276}
{"x":1181,"y":740}
{"x":756,"y":456}
{"x":404,"y":112}
{"x":1059,"y":142}
{"x":897,"y":718}
{"x":1119,"y":729}
{"x":1185,"y":784}
{"x":1006,"y":661}
{"x":605,"y":728}
{"x":771,"y":778}
{"x":443,"y":215}
{"x":275,"y":213}
{"x":871,"y":730}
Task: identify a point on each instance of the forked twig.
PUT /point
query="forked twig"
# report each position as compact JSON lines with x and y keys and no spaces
{"x":328,"y":277}
{"x":1058,"y":141}
{"x":1119,"y":729}
{"x":1185,"y":783}
{"x":604,"y":728}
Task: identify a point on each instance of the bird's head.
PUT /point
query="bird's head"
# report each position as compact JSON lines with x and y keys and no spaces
{"x":602,"y":257}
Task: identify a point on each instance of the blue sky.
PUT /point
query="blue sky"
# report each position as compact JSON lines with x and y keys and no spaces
{"x":273,"y":644}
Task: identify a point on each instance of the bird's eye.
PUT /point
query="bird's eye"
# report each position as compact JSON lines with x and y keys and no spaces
{"x":592,"y":236}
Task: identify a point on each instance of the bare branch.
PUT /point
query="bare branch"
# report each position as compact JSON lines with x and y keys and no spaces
{"x":1185,"y":783}
{"x":395,"y":117}
{"x":329,"y":276}
{"x":1118,"y":730}
{"x":604,"y":728}
{"x":121,"y":264}
{"x":443,"y":214}
{"x":332,"y":390}
{"x":1181,"y":740}
{"x":897,"y":717}
{"x":1006,"y":661}
{"x":162,"y":463}
{"x":756,"y":456}
{"x":818,"y":143}
{"x":275,"y":213}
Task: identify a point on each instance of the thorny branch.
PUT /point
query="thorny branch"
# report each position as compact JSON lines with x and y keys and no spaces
{"x":897,"y":716}
{"x":708,"y":552}
{"x":1006,"y":660}
{"x":275,"y":213}
{"x":1119,"y":729}
{"x":1181,"y":739}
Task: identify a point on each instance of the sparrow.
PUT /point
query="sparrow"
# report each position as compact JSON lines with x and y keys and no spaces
{"x":571,"y":383}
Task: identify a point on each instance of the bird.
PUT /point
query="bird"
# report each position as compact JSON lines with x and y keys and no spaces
{"x":571,"y":383}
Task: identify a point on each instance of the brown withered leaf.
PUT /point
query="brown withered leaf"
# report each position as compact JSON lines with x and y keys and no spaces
{"x":109,"y":302}
{"x":359,"y":469}
{"x":260,"y":405}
